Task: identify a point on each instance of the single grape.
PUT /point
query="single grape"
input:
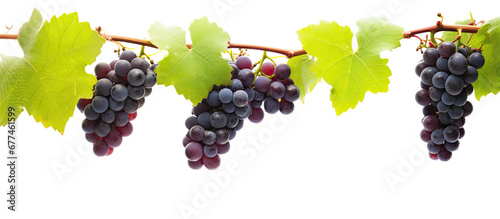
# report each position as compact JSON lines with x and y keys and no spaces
{"x":292,"y":93}
{"x":422,"y":97}
{"x":103,"y":87}
{"x":150,"y":79}
{"x":268,"y":68}
{"x":461,"y":98}
{"x":430,"y":56}
{"x":467,"y":108}
{"x":122,"y":67}
{"x":223,"y":148}
{"x":429,"y":110}
{"x":469,"y":88}
{"x":114,"y":139}
{"x":100,"y":148}
{"x":128,"y":55}
{"x":471,"y":75}
{"x":125,"y":130}
{"x":108,"y":116}
{"x":243,"y":112}
{"x":437,"y":136}
{"x":204,"y":120}
{"x":141,"y":102}
{"x":246,"y":76}
{"x":121,"y":118}
{"x":101,"y":70}
{"x":250,"y":92}
{"x":100,"y":104}
{"x":434,"y":148}
{"x":446,"y":49}
{"x":444,"y":155}
{"x":439,"y":79}
{"x":239,"y":125}
{"x":435,"y":93}
{"x":195,"y":165}
{"x":459,"y":123}
{"x":191,"y":121}
{"x":462,"y":132}
{"x":448,"y":99}
{"x":131,"y":105}
{"x":425,"y":135}
{"x":244,"y":62}
{"x":221,"y":136}
{"x":139,"y":63}
{"x":89,"y":113}
{"x":102,"y":129}
{"x":451,"y":134}
{"x":210,"y":150}
{"x":427,"y":75}
{"x":194,"y":151}
{"x":457,"y":64}
{"x":430,"y":123}
{"x":212,"y":163}
{"x":196,"y":132}
{"x":232,"y":120}
{"x":119,"y":92}
{"x":228,"y":107}
{"x":213,"y":98}
{"x":442,"y":64}
{"x":277,"y":90}
{"x":113,"y":77}
{"x":148,"y":92}
{"x":136,"y":92}
{"x":286,"y":107}
{"x":271,"y":105}
{"x":287,"y":81}
{"x":232,"y":133}
{"x":477,"y":60}
{"x":444,"y":118}
{"x":208,"y":137}
{"x":259,"y":96}
{"x":464,"y":51}
{"x":442,"y":107}
{"x":454,"y":84}
{"x":240,"y":98}
{"x":200,"y":108}
{"x":218,"y":120}
{"x":455,"y":112}
{"x":225,"y":95}
{"x":433,"y":156}
{"x":282,"y":71}
{"x":236,"y":85}
{"x":136,"y":77}
{"x":132,"y":116}
{"x":186,"y":140}
{"x":256,"y":104}
{"x":88,"y":126}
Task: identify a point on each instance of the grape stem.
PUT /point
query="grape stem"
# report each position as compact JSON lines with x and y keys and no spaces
{"x":442,"y":27}
{"x":287,"y":53}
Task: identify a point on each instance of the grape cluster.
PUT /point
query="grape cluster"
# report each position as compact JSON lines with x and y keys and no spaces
{"x":446,"y":80}
{"x":216,"y":119}
{"x":119,"y":92}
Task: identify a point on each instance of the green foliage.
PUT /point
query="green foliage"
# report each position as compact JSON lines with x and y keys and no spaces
{"x":351,"y":74}
{"x":51,"y":77}
{"x":192,"y":72}
{"x":302,"y":75}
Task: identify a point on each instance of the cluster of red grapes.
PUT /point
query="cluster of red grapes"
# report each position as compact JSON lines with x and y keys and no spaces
{"x":216,"y":119}
{"x":119,"y":92}
{"x":446,"y":80}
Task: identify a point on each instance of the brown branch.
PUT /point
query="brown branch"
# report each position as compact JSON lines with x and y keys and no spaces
{"x":442,"y":27}
{"x":288,"y":53}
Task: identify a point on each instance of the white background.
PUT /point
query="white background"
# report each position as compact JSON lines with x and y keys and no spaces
{"x":311,"y":164}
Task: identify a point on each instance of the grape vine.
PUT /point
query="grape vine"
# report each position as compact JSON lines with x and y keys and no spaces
{"x":49,"y":88}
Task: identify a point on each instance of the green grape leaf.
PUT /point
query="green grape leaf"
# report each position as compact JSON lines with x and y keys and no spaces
{"x":193,"y":72}
{"x":351,"y":74}
{"x":51,"y":77}
{"x":302,"y":75}
{"x":489,"y":75}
